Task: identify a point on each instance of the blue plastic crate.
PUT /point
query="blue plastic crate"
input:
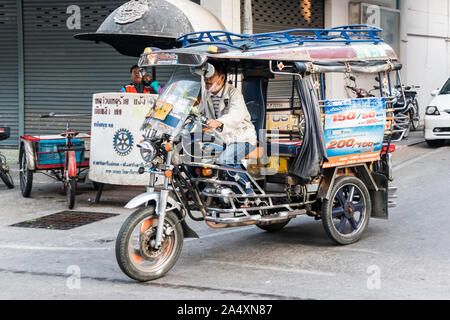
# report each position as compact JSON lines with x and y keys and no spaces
{"x":54,"y":157}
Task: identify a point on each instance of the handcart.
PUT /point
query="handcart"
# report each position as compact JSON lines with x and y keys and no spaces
{"x":63,"y":157}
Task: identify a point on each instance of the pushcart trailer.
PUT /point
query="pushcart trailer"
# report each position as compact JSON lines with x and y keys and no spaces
{"x":332,"y":164}
{"x":63,"y":157}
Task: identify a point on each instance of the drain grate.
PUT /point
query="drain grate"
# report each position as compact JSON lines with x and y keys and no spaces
{"x":65,"y":220}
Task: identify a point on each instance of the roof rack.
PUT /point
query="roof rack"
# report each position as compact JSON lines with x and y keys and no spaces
{"x":345,"y":34}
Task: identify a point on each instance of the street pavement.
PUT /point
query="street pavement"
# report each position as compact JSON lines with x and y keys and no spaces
{"x":405,"y":257}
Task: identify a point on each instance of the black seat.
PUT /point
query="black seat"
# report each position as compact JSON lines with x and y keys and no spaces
{"x":254,"y":91}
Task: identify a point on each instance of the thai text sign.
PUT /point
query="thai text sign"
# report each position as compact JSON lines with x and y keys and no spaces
{"x":354,"y":130}
{"x":115,"y":132}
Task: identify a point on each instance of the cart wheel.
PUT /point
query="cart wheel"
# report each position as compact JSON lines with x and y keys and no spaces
{"x":346,"y":215}
{"x":70,"y":193}
{"x":26,"y":176}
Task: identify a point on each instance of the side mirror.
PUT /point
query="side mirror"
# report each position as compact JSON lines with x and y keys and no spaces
{"x":434,"y":93}
{"x":377,"y":79}
{"x":352,"y":78}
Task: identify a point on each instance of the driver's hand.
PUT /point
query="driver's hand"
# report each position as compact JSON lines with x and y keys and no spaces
{"x":213,"y":124}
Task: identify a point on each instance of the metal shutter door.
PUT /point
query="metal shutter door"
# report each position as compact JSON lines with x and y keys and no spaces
{"x":62,"y":73}
{"x":275,"y":15}
{"x":9,"y":99}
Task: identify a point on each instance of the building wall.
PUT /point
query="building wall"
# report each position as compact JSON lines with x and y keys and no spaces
{"x":229,"y":12}
{"x":425,"y":45}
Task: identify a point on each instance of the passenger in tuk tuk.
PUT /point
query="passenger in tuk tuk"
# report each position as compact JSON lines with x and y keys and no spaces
{"x":141,"y":84}
{"x":225,"y":108}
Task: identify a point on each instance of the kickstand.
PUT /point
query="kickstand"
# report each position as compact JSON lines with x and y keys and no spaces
{"x":99,"y":193}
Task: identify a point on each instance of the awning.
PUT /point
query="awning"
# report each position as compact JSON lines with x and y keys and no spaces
{"x":138,"y":24}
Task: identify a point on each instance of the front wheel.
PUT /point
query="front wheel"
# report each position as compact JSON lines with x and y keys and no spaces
{"x":135,"y":252}
{"x":70,"y":193}
{"x":415,"y":118}
{"x":6,"y":177}
{"x":346,"y":215}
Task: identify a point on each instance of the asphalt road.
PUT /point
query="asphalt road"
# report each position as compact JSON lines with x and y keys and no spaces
{"x":406,"y":257}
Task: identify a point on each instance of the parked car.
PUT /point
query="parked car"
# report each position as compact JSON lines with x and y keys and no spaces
{"x":437,"y":117}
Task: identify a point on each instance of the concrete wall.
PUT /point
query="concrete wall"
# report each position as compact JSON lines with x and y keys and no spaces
{"x":425,"y":45}
{"x":228,"y":11}
{"x":337,"y":14}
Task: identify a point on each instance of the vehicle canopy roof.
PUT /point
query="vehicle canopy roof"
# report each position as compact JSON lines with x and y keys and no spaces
{"x":355,"y":48}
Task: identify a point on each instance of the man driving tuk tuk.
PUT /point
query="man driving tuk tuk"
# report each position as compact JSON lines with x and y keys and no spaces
{"x":225,"y":108}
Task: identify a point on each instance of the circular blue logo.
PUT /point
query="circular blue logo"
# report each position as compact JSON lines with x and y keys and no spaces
{"x":123,"y":142}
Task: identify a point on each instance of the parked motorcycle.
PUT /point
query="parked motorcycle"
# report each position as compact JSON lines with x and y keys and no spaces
{"x":406,"y":111}
{"x":4,"y":169}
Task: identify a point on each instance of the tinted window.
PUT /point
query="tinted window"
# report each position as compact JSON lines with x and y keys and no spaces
{"x":446,"y":88}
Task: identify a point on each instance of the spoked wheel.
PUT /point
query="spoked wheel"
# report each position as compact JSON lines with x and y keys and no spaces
{"x":70,"y":192}
{"x":346,"y":215}
{"x":135,"y":252}
{"x":415,"y":119}
{"x":26,"y":176}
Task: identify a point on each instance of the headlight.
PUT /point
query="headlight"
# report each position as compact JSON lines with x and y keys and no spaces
{"x":148,"y":151}
{"x":432,"y":111}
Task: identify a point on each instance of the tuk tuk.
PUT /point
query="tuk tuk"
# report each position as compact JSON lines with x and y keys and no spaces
{"x":332,"y":163}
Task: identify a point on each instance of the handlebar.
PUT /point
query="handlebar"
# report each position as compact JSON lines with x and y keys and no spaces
{"x":54,"y":115}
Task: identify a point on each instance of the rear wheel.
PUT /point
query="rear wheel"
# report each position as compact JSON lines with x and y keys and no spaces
{"x":135,"y":252}
{"x":346,"y":215}
{"x":26,"y":176}
{"x":415,"y":119}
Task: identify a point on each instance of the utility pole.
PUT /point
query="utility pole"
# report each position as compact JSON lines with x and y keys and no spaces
{"x":248,"y":17}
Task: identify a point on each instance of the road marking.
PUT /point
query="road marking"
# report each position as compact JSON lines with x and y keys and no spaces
{"x":38,"y":248}
{"x":409,"y":162}
{"x":278,"y":269}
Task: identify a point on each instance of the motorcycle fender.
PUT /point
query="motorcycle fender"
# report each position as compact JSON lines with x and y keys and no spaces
{"x":72,"y":164}
{"x":155,"y":197}
{"x":148,"y":197}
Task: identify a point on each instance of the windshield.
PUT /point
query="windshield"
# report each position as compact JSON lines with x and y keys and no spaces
{"x":175,"y":102}
{"x":446,"y":88}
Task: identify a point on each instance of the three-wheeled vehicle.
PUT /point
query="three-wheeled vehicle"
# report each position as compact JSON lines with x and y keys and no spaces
{"x":334,"y":167}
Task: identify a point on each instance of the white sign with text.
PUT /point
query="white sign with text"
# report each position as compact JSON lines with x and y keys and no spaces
{"x":115,"y":133}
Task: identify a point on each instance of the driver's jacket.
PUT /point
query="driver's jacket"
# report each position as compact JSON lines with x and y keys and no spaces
{"x":233,"y":113}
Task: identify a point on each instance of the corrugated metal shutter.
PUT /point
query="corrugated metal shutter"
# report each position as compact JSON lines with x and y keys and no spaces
{"x":9,"y":112}
{"x":62,"y":73}
{"x":274,"y":15}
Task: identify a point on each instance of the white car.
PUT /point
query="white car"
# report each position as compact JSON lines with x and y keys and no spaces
{"x":437,"y":117}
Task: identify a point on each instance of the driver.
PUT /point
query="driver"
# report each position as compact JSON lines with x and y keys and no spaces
{"x":225,"y":108}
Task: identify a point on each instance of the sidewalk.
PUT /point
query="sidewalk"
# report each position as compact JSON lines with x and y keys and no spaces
{"x":415,"y":137}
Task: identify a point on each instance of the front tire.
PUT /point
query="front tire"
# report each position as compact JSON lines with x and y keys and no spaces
{"x":70,"y":193}
{"x":134,"y":253}
{"x":346,"y":215}
{"x":7,"y":179}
